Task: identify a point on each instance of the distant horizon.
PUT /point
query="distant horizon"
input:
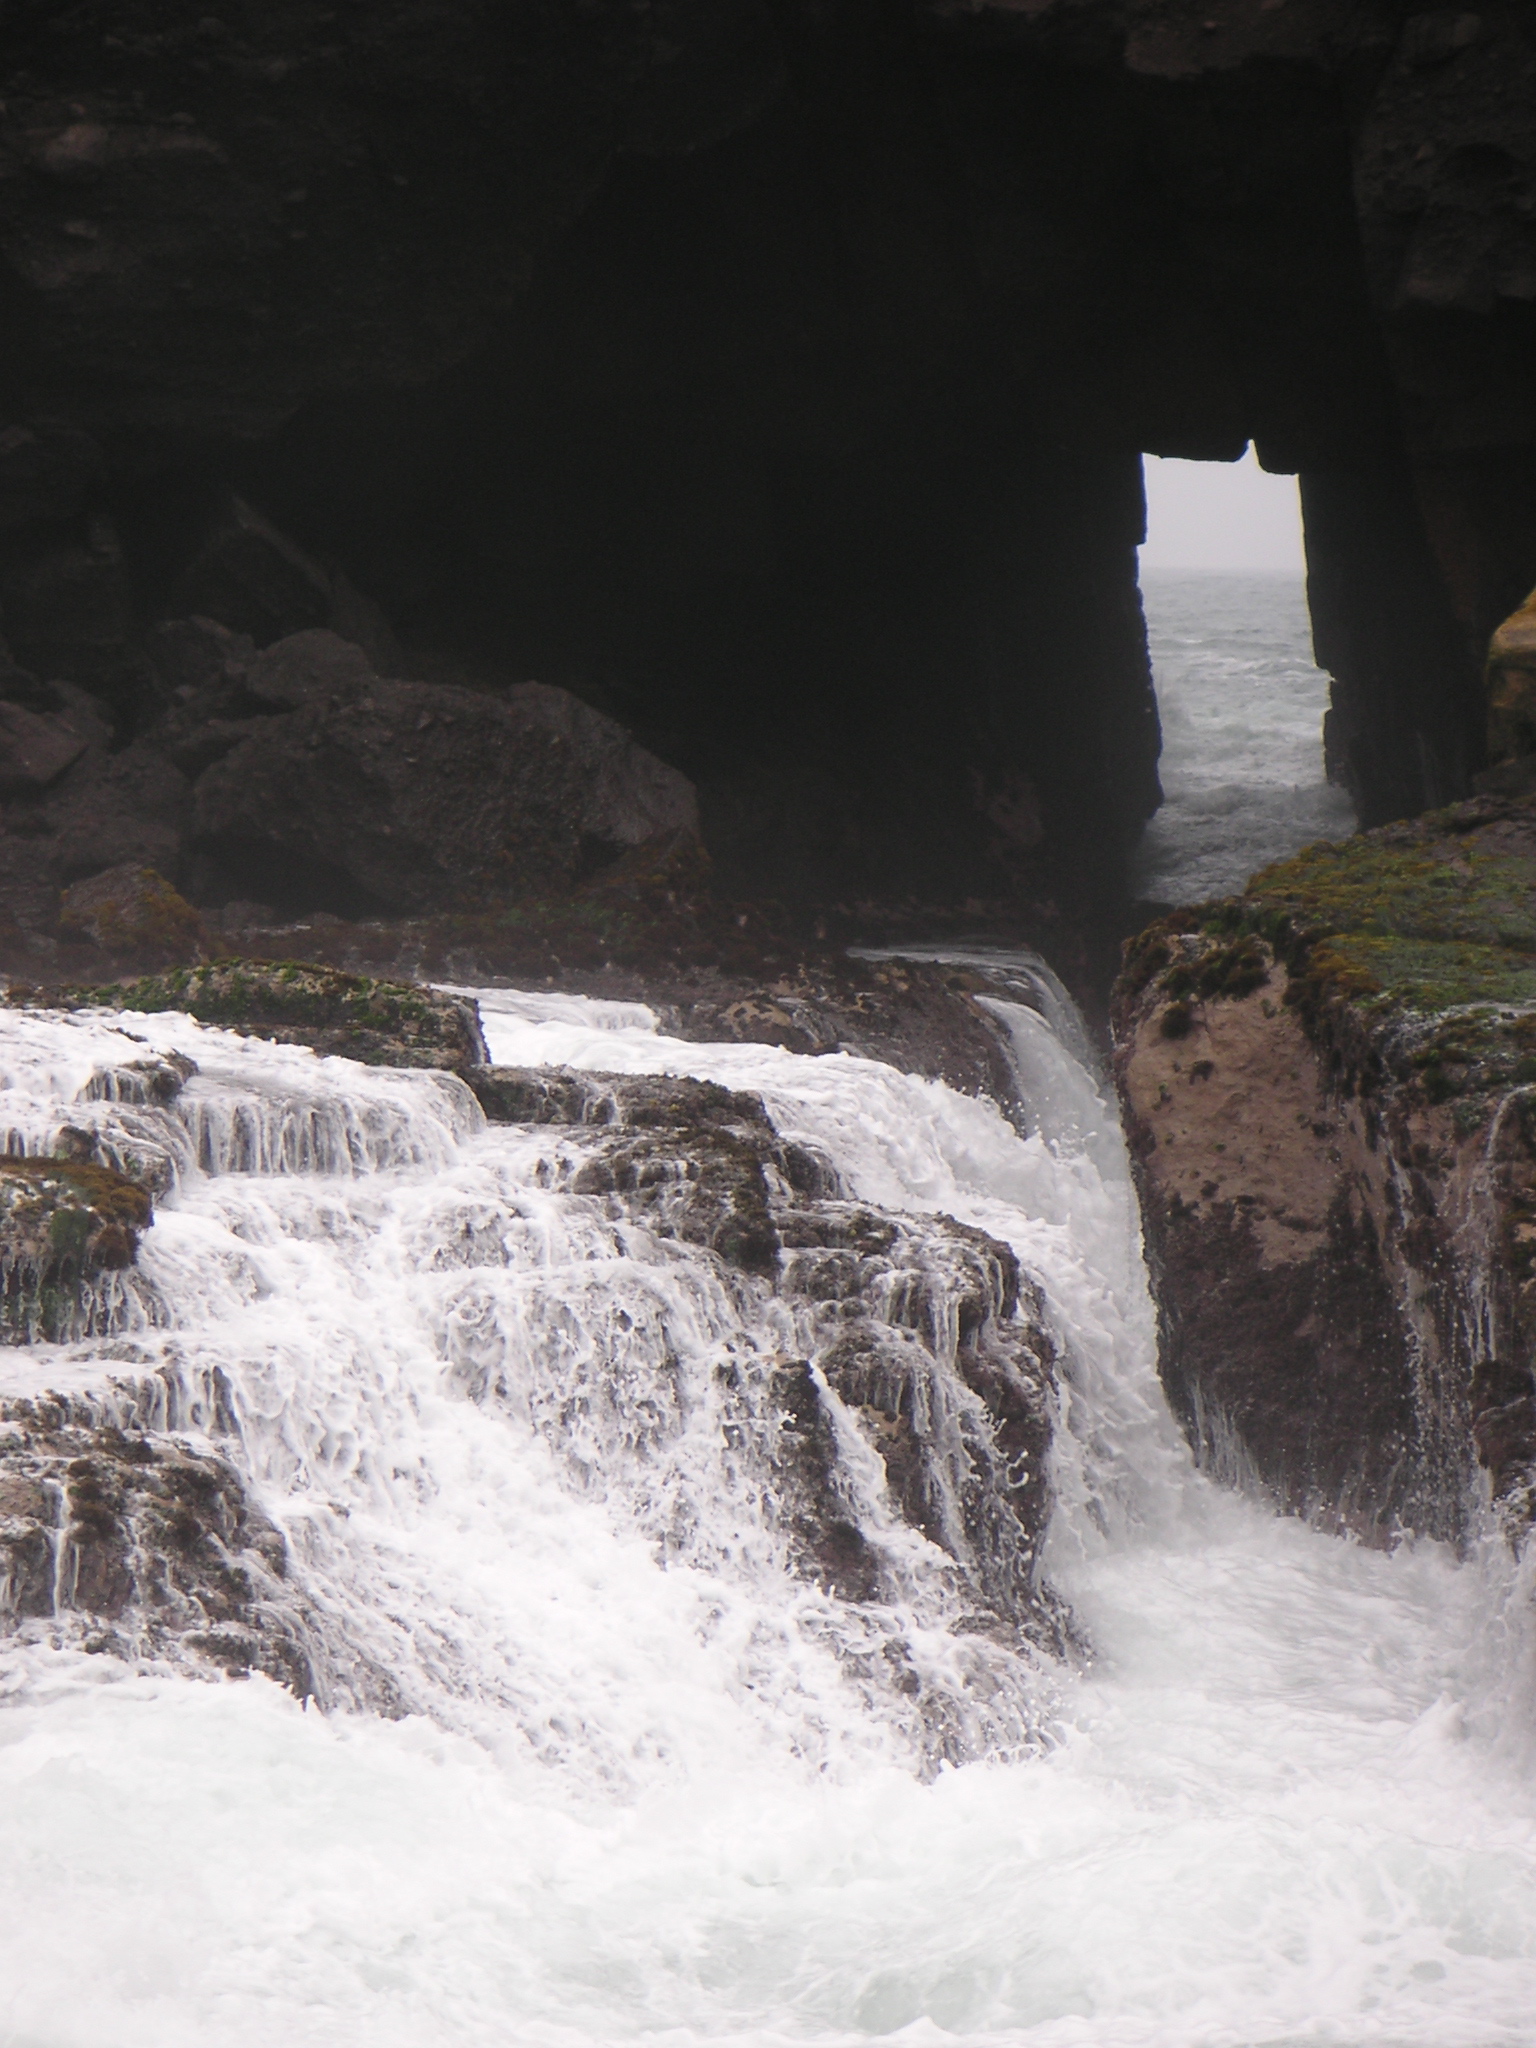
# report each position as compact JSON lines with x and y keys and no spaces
{"x":1221,"y":518}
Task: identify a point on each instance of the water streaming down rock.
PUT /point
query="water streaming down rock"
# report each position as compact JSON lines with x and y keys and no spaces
{"x":844,"y":1413}
{"x":640,"y":1754}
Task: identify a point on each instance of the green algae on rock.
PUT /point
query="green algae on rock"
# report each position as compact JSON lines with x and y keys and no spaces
{"x":1337,"y":1165}
{"x":382,"y":1023}
{"x":64,"y":1228}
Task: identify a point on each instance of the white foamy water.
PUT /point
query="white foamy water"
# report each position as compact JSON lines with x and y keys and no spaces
{"x":1242,"y":707}
{"x":644,"y":1794}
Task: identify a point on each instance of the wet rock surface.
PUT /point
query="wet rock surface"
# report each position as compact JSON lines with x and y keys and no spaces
{"x":1327,"y":1087}
{"x":67,"y":1228}
{"x":379,"y":1022}
{"x":933,"y":1343}
{"x":138,"y":1546}
{"x":144,"y":1545}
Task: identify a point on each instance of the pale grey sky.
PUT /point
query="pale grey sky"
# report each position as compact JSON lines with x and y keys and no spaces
{"x":1220,"y":515}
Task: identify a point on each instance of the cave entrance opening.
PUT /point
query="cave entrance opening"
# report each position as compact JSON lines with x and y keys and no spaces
{"x":1240,"y":698}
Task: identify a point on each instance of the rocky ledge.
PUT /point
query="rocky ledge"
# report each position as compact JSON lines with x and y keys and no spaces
{"x":126,"y":1525}
{"x":66,"y":1229}
{"x":1330,"y":1092}
{"x":932,"y":1340}
{"x":382,"y":1023}
{"x":139,"y":1546}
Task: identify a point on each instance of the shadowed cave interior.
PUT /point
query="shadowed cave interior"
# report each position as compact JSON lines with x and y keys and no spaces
{"x":794,"y":414}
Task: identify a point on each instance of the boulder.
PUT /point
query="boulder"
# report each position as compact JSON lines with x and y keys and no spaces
{"x":194,"y":658}
{"x":1511,"y":685}
{"x":253,"y":580}
{"x":133,"y":910}
{"x":111,"y":809}
{"x":35,"y":748}
{"x":1328,"y":1093}
{"x":373,"y":795}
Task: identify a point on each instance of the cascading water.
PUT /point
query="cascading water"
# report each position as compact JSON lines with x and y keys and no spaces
{"x":618,"y":1771}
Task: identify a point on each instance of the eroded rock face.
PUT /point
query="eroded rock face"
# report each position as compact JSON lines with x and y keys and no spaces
{"x":122,"y":1538}
{"x":925,"y":1330}
{"x":141,"y":1547}
{"x":66,"y":1230}
{"x":1327,"y":1087}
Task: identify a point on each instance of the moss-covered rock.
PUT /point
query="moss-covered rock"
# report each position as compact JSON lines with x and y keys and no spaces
{"x":1511,"y":685}
{"x":382,"y":1023}
{"x":133,"y":911}
{"x":64,"y":1227}
{"x":1327,"y":1083}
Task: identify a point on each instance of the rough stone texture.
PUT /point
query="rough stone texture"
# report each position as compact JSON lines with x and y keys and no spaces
{"x":35,"y":748}
{"x":65,"y":1229}
{"x":774,"y":377}
{"x":296,"y":774}
{"x":379,"y":1022}
{"x":134,"y":911}
{"x":1328,"y":1090}
{"x":891,"y":1303}
{"x":1510,"y":680}
{"x":139,"y":1546}
{"x":407,"y":796}
{"x":121,"y":1538}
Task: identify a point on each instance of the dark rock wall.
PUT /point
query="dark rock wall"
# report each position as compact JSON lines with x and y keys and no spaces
{"x":774,"y":375}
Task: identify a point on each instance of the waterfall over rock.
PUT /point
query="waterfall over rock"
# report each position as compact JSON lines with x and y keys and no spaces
{"x":706,"y":1560}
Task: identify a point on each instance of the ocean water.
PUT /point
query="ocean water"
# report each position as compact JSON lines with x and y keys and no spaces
{"x":1242,"y":707}
{"x":642,"y":1796}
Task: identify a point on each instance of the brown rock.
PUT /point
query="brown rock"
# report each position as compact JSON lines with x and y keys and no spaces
{"x":922,"y":1328}
{"x":139,"y":1545}
{"x":64,"y":1226}
{"x":1326,"y":1094}
{"x":1511,"y":685}
{"x":111,"y":809}
{"x":132,"y":910}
